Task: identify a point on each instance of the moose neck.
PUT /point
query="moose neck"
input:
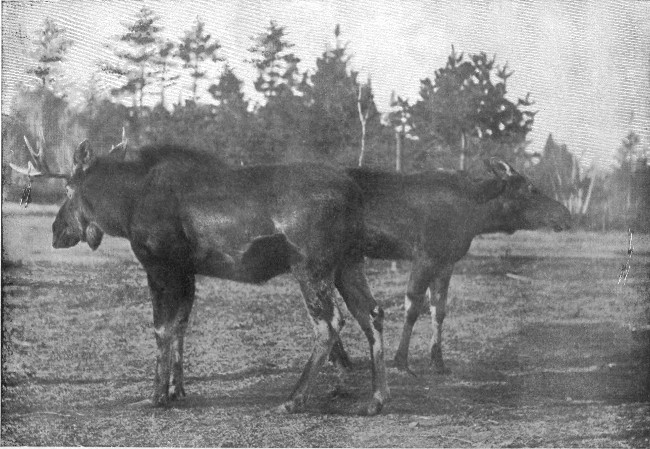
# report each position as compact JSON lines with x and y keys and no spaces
{"x":492,"y":217}
{"x":110,"y":191}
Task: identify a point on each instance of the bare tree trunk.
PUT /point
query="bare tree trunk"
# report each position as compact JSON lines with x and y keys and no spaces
{"x":585,"y":205}
{"x":363,"y":118}
{"x":398,"y":151}
{"x":628,"y":198}
{"x":162,"y":85}
{"x":194,"y":84}
{"x":398,"y":169}
{"x":463,"y":143}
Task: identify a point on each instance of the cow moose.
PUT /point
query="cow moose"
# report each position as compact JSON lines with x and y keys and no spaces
{"x":186,"y":214}
{"x":431,"y":219}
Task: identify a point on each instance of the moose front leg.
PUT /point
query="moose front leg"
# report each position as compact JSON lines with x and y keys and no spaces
{"x":172,"y":296}
{"x":438,"y":296}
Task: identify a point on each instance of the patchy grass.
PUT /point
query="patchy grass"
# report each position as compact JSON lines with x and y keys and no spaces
{"x":544,"y":358}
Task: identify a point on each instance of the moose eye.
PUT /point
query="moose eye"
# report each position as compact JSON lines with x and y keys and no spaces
{"x":532,"y":189}
{"x":69,"y":191}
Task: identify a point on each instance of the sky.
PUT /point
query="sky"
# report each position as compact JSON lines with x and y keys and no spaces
{"x":585,"y":63}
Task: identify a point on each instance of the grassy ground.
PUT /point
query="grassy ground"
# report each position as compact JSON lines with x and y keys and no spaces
{"x":544,"y":358}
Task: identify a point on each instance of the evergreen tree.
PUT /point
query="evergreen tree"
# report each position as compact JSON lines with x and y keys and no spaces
{"x":335,"y":98}
{"x":165,"y":63}
{"x":195,"y":48}
{"x":463,"y":104}
{"x":232,"y":116}
{"x":278,"y":131}
{"x":49,"y":50}
{"x":400,"y":119}
{"x":228,"y":91}
{"x":626,"y":156}
{"x":277,"y":67}
{"x":140,"y":57}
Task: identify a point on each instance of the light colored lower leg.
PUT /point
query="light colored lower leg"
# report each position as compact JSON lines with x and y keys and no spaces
{"x":163,"y":364}
{"x":411,"y":312}
{"x":176,"y":377}
{"x":380,"y":385}
{"x":437,"y":315}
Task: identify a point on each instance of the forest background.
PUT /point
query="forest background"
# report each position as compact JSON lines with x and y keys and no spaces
{"x":462,"y":115}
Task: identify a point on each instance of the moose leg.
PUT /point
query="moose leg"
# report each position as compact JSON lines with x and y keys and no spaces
{"x":353,"y":286}
{"x":176,"y":387}
{"x":172,"y":295}
{"x":438,"y":291}
{"x":413,"y":305}
{"x":318,"y":293}
{"x":339,"y":356}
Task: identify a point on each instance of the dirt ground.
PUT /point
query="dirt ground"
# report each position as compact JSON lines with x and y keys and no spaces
{"x":538,"y":337}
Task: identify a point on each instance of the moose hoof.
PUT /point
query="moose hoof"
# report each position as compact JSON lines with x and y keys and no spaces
{"x":437,"y":362}
{"x":176,"y":393}
{"x":441,"y":369}
{"x":371,"y":409}
{"x":340,"y":392}
{"x":287,"y":408}
{"x":145,"y":403}
{"x":160,"y":400}
{"x":402,"y":365}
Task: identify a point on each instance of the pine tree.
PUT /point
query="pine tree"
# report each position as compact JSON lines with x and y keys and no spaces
{"x":232,"y":115}
{"x":49,"y":50}
{"x":336,"y":97}
{"x":279,"y":129}
{"x":195,"y":48}
{"x":140,"y":58}
{"x":463,"y":103}
{"x":277,"y":67}
{"x":400,"y":119}
{"x":228,"y":91}
{"x":626,"y":156}
{"x":165,"y":62}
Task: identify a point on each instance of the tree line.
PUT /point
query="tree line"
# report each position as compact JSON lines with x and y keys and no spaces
{"x":463,"y":113}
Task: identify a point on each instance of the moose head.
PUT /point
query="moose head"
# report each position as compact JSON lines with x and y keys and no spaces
{"x":74,"y":221}
{"x":522,"y":205}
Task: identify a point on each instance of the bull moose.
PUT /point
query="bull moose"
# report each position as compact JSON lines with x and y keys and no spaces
{"x":431,"y":219}
{"x":186,"y":214}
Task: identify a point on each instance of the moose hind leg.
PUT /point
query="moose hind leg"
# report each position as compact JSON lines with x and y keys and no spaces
{"x":438,"y":290}
{"x":326,"y":318}
{"x":413,"y":304}
{"x":353,"y":286}
{"x":176,"y":384}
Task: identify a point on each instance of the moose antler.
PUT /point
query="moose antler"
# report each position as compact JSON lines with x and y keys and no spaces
{"x":119,"y":151}
{"x":39,"y":166}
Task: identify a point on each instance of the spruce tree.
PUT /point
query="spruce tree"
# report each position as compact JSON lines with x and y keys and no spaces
{"x":195,"y":49}
{"x":464,"y":104}
{"x":139,"y":56}
{"x":49,"y":50}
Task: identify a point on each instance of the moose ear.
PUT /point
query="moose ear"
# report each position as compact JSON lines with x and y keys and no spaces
{"x":500,"y":168}
{"x":83,"y":155}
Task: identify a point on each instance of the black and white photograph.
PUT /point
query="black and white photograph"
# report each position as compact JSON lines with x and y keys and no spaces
{"x":325,"y":223}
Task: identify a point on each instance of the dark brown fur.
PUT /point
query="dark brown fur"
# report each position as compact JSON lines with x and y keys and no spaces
{"x":432,"y":218}
{"x":185,"y":213}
